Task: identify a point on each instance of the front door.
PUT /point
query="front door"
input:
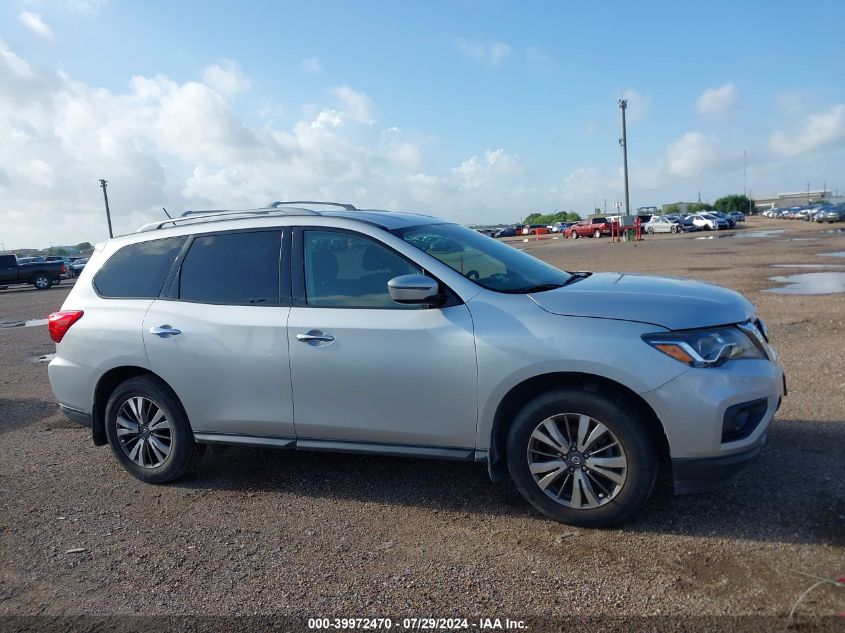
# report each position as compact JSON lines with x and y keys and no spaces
{"x":366,"y":369}
{"x":219,"y":340}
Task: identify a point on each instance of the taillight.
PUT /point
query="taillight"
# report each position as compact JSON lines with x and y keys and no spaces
{"x":60,"y":322}
{"x":63,"y":269}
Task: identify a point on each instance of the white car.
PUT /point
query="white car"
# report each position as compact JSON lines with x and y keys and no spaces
{"x":708,"y":222}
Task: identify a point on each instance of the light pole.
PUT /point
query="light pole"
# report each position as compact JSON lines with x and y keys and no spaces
{"x":623,"y":105}
{"x":104,"y":183}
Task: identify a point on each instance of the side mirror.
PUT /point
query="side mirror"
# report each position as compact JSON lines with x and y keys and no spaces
{"x":413,"y":289}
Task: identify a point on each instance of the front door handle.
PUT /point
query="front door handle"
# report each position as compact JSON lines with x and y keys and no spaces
{"x":314,"y":337}
{"x":165,"y":330}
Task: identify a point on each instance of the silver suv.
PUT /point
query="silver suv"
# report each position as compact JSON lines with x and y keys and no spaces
{"x":402,"y":334}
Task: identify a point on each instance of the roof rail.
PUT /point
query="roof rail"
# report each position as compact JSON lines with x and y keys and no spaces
{"x":279,"y":203}
{"x":198,"y":217}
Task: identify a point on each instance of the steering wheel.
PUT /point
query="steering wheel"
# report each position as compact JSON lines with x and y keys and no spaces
{"x":473,"y":275}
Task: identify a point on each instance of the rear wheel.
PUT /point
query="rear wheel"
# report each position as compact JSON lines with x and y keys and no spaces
{"x":41,"y":281}
{"x":597,"y":233}
{"x":148,"y":431}
{"x":574,"y":235}
{"x":580,"y":458}
{"x":650,"y":230}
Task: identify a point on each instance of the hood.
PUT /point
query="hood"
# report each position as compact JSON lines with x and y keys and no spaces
{"x":676,"y":304}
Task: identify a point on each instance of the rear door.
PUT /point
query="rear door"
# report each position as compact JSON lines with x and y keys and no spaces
{"x":217,"y":335}
{"x":366,"y":369}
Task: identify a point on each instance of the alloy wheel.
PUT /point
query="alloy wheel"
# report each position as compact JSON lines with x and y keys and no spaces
{"x":577,"y":461}
{"x":144,"y":431}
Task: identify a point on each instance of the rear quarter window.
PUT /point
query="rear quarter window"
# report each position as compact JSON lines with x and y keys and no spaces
{"x":137,"y":271}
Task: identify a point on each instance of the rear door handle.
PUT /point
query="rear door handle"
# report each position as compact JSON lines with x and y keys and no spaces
{"x":165,"y":330}
{"x":314,"y":337}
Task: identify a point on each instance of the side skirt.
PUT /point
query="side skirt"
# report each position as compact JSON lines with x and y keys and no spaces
{"x":334,"y":446}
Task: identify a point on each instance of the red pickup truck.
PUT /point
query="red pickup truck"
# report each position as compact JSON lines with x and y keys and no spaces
{"x":596,"y":227}
{"x":593,"y":227}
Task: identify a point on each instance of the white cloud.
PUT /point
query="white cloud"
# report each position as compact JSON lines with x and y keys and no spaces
{"x":817,"y":131}
{"x":490,"y":53}
{"x":718,"y":102}
{"x":639,"y":105}
{"x":227,"y":78}
{"x":312,"y":65}
{"x":691,"y":155}
{"x":35,"y":23}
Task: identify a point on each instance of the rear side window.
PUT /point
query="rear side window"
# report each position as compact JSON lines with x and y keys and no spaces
{"x":137,"y":271}
{"x":232,"y":269}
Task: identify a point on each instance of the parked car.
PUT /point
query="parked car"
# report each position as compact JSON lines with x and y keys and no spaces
{"x":576,"y":385}
{"x":78,"y":265}
{"x":591,"y":227}
{"x":661,"y":224}
{"x":683,"y":222}
{"x":560,"y":227}
{"x":533,"y":229}
{"x":41,"y":274}
{"x":708,"y":222}
{"x":724,"y":216}
{"x":508,"y":231}
{"x":69,"y":274}
{"x":738,"y":216}
{"x":832,"y":214}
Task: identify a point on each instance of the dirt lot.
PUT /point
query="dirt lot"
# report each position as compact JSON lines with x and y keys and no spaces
{"x":263,"y":532}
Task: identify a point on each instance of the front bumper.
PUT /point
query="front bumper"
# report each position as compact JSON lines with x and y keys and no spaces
{"x":692,"y":409}
{"x":707,"y":473}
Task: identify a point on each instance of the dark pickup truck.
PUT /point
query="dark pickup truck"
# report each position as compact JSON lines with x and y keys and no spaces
{"x":42,"y":275}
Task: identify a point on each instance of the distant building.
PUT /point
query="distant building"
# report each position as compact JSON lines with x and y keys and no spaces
{"x":683,"y":207}
{"x":786,"y":200}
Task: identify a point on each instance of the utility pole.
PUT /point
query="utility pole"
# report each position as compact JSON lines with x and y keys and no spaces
{"x":808,"y":193}
{"x":623,"y":105}
{"x":104,"y":184}
{"x":744,"y":174}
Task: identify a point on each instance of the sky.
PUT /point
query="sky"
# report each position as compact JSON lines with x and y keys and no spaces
{"x":478,"y":112}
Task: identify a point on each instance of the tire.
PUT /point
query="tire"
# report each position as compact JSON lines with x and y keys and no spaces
{"x":597,"y":233}
{"x":650,"y":230}
{"x":707,"y":227}
{"x":569,"y":406}
{"x":41,"y":281}
{"x":183,"y":452}
{"x":56,"y":282}
{"x":574,"y":235}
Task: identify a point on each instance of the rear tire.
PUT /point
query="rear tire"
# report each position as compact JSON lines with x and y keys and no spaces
{"x":650,"y":230}
{"x":41,"y":281}
{"x":574,"y":235}
{"x":597,"y":233}
{"x":602,"y":501}
{"x":155,"y":449}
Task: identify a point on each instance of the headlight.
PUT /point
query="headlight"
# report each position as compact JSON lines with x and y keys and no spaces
{"x":706,"y":348}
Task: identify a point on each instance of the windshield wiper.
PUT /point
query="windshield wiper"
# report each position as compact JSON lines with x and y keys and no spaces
{"x":573,"y":277}
{"x":539,"y":288}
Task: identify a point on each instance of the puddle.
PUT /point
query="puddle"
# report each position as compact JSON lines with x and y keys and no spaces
{"x":810,"y":284}
{"x":29,"y":323}
{"x":766,"y":233}
{"x":799,"y":239}
{"x":46,"y":358}
{"x":836,"y":254}
{"x":835,"y":231}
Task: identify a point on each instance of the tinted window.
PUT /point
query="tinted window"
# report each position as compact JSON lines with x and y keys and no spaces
{"x":233,"y":268}
{"x":138,"y":270}
{"x":350,"y":271}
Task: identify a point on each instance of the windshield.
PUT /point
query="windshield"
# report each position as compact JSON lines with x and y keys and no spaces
{"x":490,"y":264}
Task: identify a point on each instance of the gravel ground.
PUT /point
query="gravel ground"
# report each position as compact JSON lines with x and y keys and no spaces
{"x":270,"y":532}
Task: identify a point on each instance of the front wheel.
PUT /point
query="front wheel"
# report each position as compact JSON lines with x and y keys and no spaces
{"x":148,"y":431}
{"x":597,"y":233}
{"x":650,"y":230}
{"x":574,"y":235}
{"x":581,"y":459}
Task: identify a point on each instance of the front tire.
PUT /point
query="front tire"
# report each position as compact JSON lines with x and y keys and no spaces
{"x":597,"y":234}
{"x":149,"y":432}
{"x":554,"y":449}
{"x":574,"y":235}
{"x":650,"y":230}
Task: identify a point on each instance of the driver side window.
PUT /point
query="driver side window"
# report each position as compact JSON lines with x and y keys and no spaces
{"x":344,"y":270}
